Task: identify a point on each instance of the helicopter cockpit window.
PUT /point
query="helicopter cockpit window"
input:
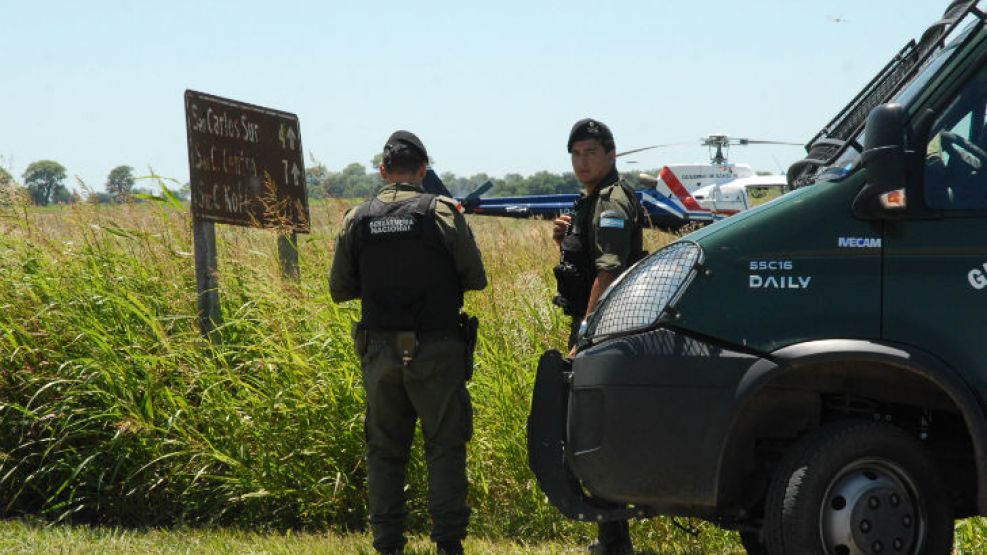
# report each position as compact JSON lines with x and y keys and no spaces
{"x":956,"y":152}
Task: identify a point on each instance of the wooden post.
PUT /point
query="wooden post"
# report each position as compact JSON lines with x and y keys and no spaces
{"x":288,"y":254}
{"x":206,"y":276}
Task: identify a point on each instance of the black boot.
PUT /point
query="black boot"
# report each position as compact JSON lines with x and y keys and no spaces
{"x":614,"y":538}
{"x":450,"y":548}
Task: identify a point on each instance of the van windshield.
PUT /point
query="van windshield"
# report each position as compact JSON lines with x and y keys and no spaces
{"x":911,"y":91}
{"x":848,"y":160}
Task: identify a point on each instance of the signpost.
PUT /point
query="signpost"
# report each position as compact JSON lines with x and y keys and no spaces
{"x":246,"y":168}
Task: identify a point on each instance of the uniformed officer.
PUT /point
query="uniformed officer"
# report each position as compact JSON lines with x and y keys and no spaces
{"x":409,"y":256}
{"x":601,"y":239}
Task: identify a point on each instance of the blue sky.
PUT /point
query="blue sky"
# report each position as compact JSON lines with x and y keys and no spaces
{"x":489,"y":86}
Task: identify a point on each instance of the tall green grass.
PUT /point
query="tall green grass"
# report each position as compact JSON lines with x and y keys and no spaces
{"x":113,"y":410}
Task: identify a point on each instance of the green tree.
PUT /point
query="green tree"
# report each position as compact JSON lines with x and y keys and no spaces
{"x":120,"y":182}
{"x":99,"y":197}
{"x":453,"y":183}
{"x":353,"y":182}
{"x":185,"y":191}
{"x":43,"y":179}
{"x":354,"y":179}
{"x":62,"y":195}
{"x":10,"y":191}
{"x":316,"y":180}
{"x":569,"y":184}
{"x":542,"y":183}
{"x":512,"y":184}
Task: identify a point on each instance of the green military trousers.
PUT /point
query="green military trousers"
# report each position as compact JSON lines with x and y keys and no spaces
{"x":432,"y":388}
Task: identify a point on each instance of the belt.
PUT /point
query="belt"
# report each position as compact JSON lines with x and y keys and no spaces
{"x":426,"y":336}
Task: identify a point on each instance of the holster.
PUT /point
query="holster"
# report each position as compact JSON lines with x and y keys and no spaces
{"x":573,"y":296}
{"x":573,"y":285}
{"x":406,"y":344}
{"x":469,"y":326}
{"x":361,"y":338}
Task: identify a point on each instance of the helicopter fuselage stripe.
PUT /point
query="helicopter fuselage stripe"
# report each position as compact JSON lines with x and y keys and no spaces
{"x":670,"y":179}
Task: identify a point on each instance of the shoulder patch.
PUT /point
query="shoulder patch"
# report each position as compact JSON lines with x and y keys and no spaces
{"x":611,"y":219}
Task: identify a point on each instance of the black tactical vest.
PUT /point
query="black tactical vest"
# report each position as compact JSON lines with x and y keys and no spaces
{"x":408,"y":279}
{"x":576,"y":271}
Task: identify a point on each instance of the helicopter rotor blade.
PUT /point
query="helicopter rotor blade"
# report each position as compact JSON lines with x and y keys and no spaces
{"x":744,"y":142}
{"x":433,"y":184}
{"x":642,"y":149}
{"x":472,"y":200}
{"x":719,"y":141}
{"x":483,"y":188}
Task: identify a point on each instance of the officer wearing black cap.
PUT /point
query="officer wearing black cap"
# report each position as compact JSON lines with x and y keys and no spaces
{"x":601,"y":239}
{"x":409,"y":256}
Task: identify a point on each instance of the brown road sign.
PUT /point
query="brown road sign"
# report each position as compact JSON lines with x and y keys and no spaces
{"x":245,"y":164}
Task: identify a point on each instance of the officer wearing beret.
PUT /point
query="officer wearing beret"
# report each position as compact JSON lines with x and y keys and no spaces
{"x":409,"y":256}
{"x":601,"y":239}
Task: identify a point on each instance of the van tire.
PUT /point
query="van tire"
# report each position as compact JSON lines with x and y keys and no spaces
{"x":849,"y":485}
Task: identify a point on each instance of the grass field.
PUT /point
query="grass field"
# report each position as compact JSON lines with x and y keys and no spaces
{"x":113,"y":411}
{"x":42,"y":539}
{"x":26,"y":538}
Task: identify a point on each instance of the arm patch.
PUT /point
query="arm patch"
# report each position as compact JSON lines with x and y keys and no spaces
{"x":612,"y":219}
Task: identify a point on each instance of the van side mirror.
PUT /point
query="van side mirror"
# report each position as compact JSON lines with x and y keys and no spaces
{"x":885,"y":159}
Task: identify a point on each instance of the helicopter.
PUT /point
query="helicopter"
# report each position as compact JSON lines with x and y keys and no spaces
{"x":719,"y":187}
{"x":680,"y":194}
{"x":662,"y":212}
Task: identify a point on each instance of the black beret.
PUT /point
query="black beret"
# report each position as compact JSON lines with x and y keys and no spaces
{"x":588,"y":128}
{"x":405,"y":139}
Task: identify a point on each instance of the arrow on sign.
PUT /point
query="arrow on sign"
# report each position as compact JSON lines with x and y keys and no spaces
{"x":295,"y":172}
{"x":292,"y":137}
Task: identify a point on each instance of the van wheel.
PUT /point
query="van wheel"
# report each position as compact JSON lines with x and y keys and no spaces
{"x":858,"y":487}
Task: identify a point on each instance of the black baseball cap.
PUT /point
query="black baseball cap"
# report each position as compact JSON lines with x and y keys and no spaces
{"x":589,"y":128}
{"x":405,"y":139}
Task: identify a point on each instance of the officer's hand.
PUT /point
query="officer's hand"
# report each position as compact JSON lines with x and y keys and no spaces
{"x":573,"y":351}
{"x":559,"y":227}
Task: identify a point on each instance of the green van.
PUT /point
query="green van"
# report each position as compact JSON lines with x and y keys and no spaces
{"x":813,"y":372}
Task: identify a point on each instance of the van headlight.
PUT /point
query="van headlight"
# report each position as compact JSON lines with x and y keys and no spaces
{"x":643,"y":292}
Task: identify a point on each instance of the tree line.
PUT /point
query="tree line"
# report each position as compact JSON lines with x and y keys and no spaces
{"x":354,"y":181}
{"x":44,"y":184}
